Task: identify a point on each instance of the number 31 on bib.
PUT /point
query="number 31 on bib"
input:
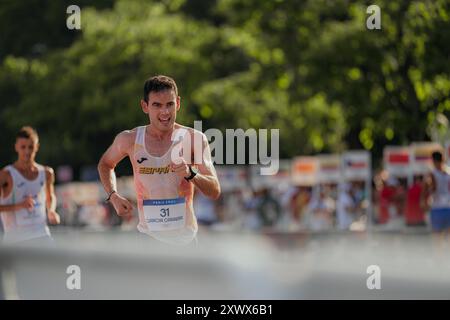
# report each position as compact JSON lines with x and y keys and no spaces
{"x":165,"y":214}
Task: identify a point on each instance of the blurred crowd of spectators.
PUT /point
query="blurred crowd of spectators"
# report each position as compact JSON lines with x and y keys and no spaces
{"x":322,"y":207}
{"x":394,"y":204}
{"x":292,"y":208}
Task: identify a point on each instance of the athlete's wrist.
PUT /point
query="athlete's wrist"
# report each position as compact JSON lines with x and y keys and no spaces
{"x":111,"y":195}
{"x":193,"y":172}
{"x":51,"y":209}
{"x":187,"y":172}
{"x":114,"y":196}
{"x":22,"y":205}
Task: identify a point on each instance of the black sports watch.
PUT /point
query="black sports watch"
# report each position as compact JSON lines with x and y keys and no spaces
{"x":193,"y":171}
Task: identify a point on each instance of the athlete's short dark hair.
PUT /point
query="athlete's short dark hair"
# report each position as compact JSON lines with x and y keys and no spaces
{"x":437,"y":156}
{"x":27,"y":132}
{"x":159,"y":83}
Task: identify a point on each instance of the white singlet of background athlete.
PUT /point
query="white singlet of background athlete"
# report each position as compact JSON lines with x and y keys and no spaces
{"x":441,"y":196}
{"x":21,"y":225}
{"x":155,"y":181}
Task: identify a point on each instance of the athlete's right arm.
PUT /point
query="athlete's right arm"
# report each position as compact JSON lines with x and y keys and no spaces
{"x":120,"y":148}
{"x":5,"y":184}
{"x":428,"y":190}
{"x":430,"y":184}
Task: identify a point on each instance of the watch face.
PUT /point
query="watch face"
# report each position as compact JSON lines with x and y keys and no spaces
{"x":194,"y":170}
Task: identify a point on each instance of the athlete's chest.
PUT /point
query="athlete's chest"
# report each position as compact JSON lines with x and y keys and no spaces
{"x":156,"y":147}
{"x":30,"y":175}
{"x":26,"y":187}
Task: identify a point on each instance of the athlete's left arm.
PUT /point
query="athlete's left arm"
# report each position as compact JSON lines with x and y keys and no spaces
{"x":206,"y":179}
{"x":53,"y":217}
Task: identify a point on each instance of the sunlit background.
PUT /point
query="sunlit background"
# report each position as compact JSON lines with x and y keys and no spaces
{"x":359,"y":112}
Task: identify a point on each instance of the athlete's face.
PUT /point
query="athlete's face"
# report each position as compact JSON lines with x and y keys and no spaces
{"x":26,"y":149}
{"x":162,"y":109}
{"x":437,"y":164}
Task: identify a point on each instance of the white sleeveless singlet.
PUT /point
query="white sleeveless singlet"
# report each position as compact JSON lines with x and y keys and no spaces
{"x":441,"y":196}
{"x":21,"y":225}
{"x":165,"y":201}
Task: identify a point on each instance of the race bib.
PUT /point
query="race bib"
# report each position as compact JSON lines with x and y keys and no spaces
{"x":165,"y":214}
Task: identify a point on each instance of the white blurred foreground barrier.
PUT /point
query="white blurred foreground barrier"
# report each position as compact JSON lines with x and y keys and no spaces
{"x":228,"y":266}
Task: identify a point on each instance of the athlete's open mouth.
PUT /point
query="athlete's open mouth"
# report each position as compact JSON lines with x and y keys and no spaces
{"x":164,"y":120}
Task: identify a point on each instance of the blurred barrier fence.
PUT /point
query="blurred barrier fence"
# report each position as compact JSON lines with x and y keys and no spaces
{"x":129,"y":266}
{"x":227,"y":266}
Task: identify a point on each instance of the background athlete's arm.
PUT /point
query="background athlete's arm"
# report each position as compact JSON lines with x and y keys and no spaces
{"x":53,"y":217}
{"x":429,"y":189}
{"x":5,"y":184}
{"x":115,"y":153}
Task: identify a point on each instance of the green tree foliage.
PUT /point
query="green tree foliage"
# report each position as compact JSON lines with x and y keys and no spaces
{"x":310,"y":68}
{"x":390,"y":83}
{"x":33,"y":27}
